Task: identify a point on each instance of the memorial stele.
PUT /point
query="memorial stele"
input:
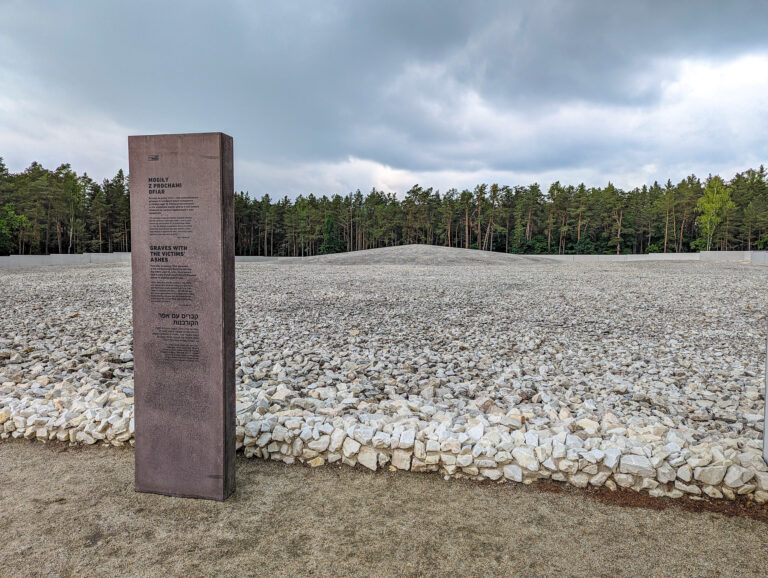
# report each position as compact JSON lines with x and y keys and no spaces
{"x":182,"y":228}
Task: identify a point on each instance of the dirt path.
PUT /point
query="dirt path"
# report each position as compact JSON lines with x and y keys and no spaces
{"x":75,"y":512}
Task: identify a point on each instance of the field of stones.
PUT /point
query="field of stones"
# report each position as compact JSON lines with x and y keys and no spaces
{"x":637,"y":375}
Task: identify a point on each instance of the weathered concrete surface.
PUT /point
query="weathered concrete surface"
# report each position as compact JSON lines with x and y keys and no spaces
{"x":76,"y":513}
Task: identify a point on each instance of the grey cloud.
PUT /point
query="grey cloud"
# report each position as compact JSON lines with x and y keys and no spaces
{"x":320,"y":82}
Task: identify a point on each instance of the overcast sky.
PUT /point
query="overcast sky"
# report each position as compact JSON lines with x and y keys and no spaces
{"x":328,"y":97}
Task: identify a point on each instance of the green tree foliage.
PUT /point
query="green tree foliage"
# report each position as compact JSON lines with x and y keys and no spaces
{"x":714,"y":205}
{"x":59,"y":211}
{"x":521,"y":219}
{"x":331,"y":240}
{"x":62,"y":212}
{"x":11,"y":225}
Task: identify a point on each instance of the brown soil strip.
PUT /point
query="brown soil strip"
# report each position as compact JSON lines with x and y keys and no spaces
{"x":73,"y":511}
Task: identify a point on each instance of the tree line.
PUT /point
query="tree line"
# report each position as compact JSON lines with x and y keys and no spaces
{"x":46,"y":211}
{"x":58,"y":211}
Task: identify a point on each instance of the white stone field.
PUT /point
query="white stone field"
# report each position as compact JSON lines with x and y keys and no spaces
{"x":644,"y":375}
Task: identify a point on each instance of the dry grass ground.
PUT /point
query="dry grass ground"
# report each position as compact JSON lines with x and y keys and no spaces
{"x":74,"y":512}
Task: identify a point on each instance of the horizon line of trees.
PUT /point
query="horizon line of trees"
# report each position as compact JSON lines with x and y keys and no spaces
{"x":57,"y":211}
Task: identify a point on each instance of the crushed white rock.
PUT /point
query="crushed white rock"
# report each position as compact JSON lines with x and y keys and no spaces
{"x":644,"y":375}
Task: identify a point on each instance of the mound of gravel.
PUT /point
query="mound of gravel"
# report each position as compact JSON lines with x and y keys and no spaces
{"x":418,"y":255}
{"x":642,"y":375}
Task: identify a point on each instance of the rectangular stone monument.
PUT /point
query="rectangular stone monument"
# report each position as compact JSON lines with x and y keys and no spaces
{"x":183,"y":262}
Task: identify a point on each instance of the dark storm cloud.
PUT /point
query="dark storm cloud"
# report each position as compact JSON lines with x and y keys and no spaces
{"x":416,"y":86}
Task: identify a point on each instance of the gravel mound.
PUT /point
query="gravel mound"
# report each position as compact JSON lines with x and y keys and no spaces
{"x":418,"y":255}
{"x":641,"y":375}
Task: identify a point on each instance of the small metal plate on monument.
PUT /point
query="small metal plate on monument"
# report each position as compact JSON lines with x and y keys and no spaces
{"x":183,"y":283}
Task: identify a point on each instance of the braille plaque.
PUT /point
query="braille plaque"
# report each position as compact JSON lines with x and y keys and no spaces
{"x":183,"y":264}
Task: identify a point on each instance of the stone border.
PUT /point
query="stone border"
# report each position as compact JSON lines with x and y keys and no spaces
{"x":24,"y":261}
{"x":753,"y":257}
{"x":655,"y":459}
{"x":750,"y":257}
{"x":661,"y":461}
